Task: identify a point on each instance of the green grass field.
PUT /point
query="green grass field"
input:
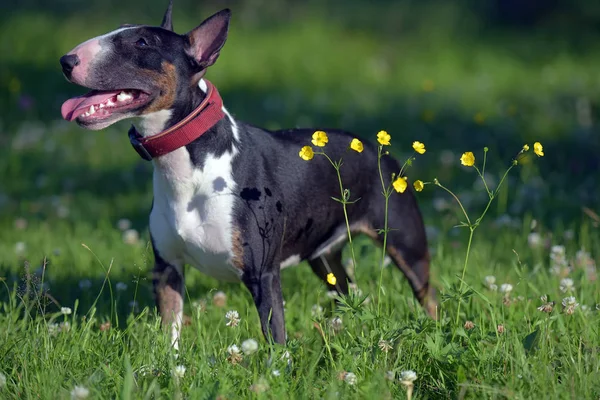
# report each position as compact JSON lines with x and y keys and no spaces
{"x":422,"y":72}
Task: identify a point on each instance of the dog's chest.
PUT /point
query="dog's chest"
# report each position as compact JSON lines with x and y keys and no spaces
{"x":191,"y":218}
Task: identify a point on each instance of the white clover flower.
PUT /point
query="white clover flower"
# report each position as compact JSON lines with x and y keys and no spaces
{"x":20,"y":248}
{"x":534,"y":240}
{"x":233,"y":318}
{"x":569,"y":301}
{"x":384,"y":345}
{"x":570,"y":304}
{"x":179,"y":371}
{"x":85,"y":284}
{"x":80,"y":393}
{"x":489,"y":280}
{"x":506,"y":288}
{"x":65,"y":311}
{"x":123,"y":224}
{"x":408,"y":377}
{"x":233,"y":349}
{"x":350,"y":378}
{"x":276,"y":372}
{"x":332,"y":294}
{"x":557,"y":250}
{"x":316,"y":311}
{"x":249,"y":346}
{"x":121,"y":286}
{"x":336,"y":324}
{"x":2,"y":380}
{"x":131,"y":236}
{"x":566,"y":285}
{"x":53,"y":329}
{"x":493,"y":287}
{"x":220,"y":299}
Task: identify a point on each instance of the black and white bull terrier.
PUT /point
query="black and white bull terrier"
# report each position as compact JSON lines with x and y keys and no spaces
{"x":231,"y":199}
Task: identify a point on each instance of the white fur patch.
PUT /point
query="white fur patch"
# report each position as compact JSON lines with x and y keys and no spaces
{"x":155,"y":122}
{"x":290,"y":261}
{"x":192,"y":216}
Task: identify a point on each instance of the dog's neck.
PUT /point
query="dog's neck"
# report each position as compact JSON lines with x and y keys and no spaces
{"x":181,"y":163}
{"x":157,"y":121}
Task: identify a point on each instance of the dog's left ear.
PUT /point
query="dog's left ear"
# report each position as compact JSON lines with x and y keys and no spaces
{"x":207,"y":39}
{"x":167,"y":22}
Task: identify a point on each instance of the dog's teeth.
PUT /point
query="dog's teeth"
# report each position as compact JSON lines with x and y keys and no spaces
{"x":124,"y":96}
{"x":92,"y":110}
{"x":109,"y":103}
{"x":101,"y":105}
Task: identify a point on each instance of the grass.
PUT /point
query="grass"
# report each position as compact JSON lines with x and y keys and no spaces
{"x":439,"y":79}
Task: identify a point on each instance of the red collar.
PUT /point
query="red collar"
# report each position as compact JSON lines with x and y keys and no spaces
{"x":204,"y":117}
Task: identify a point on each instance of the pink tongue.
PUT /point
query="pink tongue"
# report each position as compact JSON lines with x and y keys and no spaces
{"x":76,"y":106}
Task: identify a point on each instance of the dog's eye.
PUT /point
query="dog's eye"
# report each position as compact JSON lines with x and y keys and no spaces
{"x":141,"y":42}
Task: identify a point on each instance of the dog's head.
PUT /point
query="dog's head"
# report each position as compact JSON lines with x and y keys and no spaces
{"x":137,"y":70}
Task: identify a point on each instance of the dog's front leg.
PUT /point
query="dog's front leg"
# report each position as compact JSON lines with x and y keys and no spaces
{"x":168,"y":291}
{"x":265,"y":288}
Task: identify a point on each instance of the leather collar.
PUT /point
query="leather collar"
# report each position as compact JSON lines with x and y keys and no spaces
{"x":204,"y":117}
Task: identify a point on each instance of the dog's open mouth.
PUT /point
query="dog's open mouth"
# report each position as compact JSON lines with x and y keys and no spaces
{"x":98,"y":105}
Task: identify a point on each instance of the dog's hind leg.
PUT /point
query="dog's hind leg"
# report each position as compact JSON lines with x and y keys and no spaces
{"x":332,"y":264}
{"x":168,"y":285}
{"x":265,"y":288}
{"x":407,"y":246}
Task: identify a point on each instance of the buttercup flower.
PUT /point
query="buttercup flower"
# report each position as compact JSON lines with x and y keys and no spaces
{"x":538,"y":149}
{"x":306,"y":153}
{"x":331,"y":279}
{"x":384,"y":138}
{"x":419,"y":147}
{"x":419,"y":185}
{"x":356,"y":145}
{"x":467,"y":159}
{"x":400,"y":184}
{"x":525,"y":147}
{"x":320,"y":139}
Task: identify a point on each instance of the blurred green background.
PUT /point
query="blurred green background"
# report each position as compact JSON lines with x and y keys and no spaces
{"x":456,"y":75}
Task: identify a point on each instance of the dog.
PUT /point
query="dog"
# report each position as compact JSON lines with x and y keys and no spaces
{"x":234,"y":200}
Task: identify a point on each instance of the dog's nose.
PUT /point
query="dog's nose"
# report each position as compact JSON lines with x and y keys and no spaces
{"x":69,"y":62}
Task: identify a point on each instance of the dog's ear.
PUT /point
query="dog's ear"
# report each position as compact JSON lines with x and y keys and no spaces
{"x":207,"y":39}
{"x":167,"y":22}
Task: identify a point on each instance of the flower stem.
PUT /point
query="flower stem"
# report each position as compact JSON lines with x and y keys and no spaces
{"x":386,"y":194}
{"x":462,"y":279}
{"x":344,"y":202}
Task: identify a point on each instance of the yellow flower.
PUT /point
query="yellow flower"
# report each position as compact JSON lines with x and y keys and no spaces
{"x":538,"y":149}
{"x":331,"y":279}
{"x":356,"y":145}
{"x":419,"y":185}
{"x":384,"y":138}
{"x":525,"y":147}
{"x":467,"y":159}
{"x":400,"y":184}
{"x":419,"y":147}
{"x":306,"y":153}
{"x":320,"y":139}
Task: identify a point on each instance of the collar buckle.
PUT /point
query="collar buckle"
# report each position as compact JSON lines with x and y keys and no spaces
{"x":137,"y":145}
